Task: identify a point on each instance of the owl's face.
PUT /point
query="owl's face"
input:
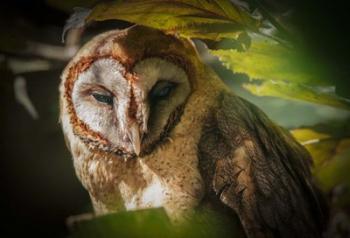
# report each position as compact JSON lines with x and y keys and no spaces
{"x":131,"y":109}
{"x":123,"y":99}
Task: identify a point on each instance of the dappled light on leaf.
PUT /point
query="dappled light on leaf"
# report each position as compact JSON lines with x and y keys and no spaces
{"x":295,"y":91}
{"x":195,"y":19}
{"x":281,"y":71}
{"x":267,"y":59}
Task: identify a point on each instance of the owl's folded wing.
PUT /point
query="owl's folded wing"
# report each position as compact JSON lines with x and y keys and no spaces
{"x":257,"y":169}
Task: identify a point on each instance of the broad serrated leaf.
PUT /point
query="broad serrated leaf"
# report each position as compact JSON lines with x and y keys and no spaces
{"x":267,"y":59}
{"x":295,"y":91}
{"x":241,"y":43}
{"x":282,"y":72}
{"x":202,"y":19}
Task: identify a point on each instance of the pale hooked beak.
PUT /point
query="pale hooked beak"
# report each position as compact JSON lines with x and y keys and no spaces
{"x":135,"y":137}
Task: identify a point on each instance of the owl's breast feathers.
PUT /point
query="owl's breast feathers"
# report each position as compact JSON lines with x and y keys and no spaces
{"x":258,"y":170}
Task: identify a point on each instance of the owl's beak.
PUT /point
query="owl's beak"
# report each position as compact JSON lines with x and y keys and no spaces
{"x":135,"y":138}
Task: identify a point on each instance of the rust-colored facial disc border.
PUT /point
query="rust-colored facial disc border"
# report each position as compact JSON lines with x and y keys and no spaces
{"x":94,"y":140}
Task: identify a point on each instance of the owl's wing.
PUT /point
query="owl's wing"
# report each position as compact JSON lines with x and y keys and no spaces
{"x":257,"y":169}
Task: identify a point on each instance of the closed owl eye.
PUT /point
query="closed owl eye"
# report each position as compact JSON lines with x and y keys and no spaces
{"x":103,"y":98}
{"x":162,"y":89}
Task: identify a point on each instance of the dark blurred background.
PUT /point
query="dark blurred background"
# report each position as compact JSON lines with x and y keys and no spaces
{"x":39,"y":189}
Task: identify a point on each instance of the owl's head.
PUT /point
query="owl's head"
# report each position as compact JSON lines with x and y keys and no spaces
{"x":125,"y":90}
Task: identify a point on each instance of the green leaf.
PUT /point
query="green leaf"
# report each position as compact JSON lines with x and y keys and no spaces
{"x":282,"y":71}
{"x":336,"y":171}
{"x":321,"y":145}
{"x":329,"y":146}
{"x":155,"y":223}
{"x":267,"y":59}
{"x":202,"y":19}
{"x":295,"y":91}
{"x":143,"y":223}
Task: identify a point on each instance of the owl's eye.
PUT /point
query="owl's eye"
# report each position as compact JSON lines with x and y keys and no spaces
{"x":107,"y":99}
{"x":162,"y":89}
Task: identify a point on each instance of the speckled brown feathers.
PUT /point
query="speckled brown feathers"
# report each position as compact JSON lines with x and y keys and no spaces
{"x":260,"y":171}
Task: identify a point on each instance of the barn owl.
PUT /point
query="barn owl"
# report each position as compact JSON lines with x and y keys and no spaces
{"x":149,"y":125}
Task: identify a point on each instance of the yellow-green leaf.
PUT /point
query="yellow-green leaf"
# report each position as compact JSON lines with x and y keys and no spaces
{"x":282,"y":72}
{"x":267,"y":59}
{"x":308,"y":136}
{"x":330,"y":152}
{"x":295,"y":91}
{"x":320,"y":145}
{"x":336,"y":172}
{"x":203,"y":19}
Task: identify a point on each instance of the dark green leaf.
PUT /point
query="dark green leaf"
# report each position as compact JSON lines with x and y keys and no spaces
{"x":155,"y":223}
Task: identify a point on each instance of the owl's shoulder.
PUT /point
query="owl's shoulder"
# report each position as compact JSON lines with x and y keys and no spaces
{"x":227,"y":122}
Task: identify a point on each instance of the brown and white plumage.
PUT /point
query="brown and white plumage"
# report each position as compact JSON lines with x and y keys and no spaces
{"x":199,"y":144}
{"x":260,"y":171}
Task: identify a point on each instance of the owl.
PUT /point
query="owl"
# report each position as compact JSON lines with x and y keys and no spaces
{"x":150,"y":125}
